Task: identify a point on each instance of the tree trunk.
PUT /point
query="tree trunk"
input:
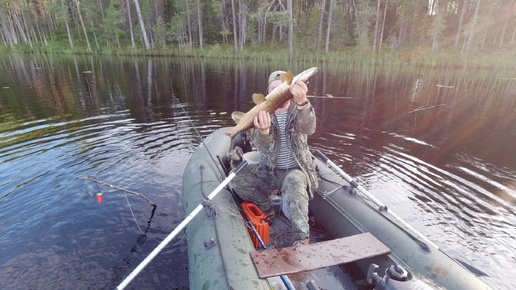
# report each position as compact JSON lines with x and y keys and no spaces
{"x":19,"y":27}
{"x":199,"y":22}
{"x":319,"y":36}
{"x":190,"y":39}
{"x":235,"y":36}
{"x":224,"y":23}
{"x":94,"y":34}
{"x":65,"y":16}
{"x":242,"y":21}
{"x":383,"y":26}
{"x":101,"y":10}
{"x":502,"y":33}
{"x":401,"y":33}
{"x":9,"y":34}
{"x":413,"y":28}
{"x":471,"y":33}
{"x":131,"y":31}
{"x":142,"y":25}
{"x":507,"y":16}
{"x":514,"y":31}
{"x":29,"y":30}
{"x":377,"y":23}
{"x":260,"y":22}
{"x":290,"y":29}
{"x":433,"y":7}
{"x":82,"y":24}
{"x":330,"y":12}
{"x":36,"y":37}
{"x":461,"y":18}
{"x":513,"y":36}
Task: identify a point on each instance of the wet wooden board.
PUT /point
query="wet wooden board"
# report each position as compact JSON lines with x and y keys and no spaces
{"x":281,"y":261}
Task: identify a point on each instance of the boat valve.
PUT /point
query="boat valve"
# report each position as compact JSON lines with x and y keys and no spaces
{"x":395,"y":278}
{"x":210,"y":243}
{"x":397,"y":273}
{"x":394,"y":275}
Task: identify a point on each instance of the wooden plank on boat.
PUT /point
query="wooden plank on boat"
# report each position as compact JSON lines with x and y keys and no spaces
{"x":281,"y":261}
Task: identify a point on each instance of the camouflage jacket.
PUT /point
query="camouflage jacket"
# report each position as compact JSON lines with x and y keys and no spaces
{"x":299,"y":125}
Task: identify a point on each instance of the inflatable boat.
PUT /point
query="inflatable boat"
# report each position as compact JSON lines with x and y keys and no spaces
{"x":356,"y":242}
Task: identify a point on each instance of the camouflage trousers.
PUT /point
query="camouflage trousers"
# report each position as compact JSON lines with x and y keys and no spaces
{"x":292,"y":185}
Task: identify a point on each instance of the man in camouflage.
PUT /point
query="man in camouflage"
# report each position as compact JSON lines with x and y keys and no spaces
{"x":286,"y":163}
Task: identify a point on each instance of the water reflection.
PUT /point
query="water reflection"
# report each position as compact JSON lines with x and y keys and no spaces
{"x":437,"y":146}
{"x":441,"y":157}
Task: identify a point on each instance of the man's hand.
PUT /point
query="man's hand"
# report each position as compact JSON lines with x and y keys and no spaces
{"x":262,"y":122}
{"x":299,"y":91}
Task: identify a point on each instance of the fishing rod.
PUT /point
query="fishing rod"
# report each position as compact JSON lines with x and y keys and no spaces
{"x":139,"y":242}
{"x":192,"y":123}
{"x":327,"y":96}
{"x":181,"y":226}
{"x":284,"y":278}
{"x":381,"y":207}
{"x":190,"y":217}
{"x":120,"y":188}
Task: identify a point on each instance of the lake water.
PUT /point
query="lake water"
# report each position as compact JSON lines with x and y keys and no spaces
{"x":436,"y":145}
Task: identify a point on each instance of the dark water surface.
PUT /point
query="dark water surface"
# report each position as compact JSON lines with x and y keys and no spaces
{"x":437,"y":146}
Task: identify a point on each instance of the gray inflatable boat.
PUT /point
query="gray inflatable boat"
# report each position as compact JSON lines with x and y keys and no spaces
{"x":356,"y":242}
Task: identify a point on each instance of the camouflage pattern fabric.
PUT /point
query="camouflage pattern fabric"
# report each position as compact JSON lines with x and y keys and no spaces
{"x":257,"y":181}
{"x":292,"y":184}
{"x":299,"y":124}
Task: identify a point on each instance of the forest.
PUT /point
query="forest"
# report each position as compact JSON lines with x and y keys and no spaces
{"x":419,"y":27}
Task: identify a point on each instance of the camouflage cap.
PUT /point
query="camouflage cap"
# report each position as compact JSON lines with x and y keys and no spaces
{"x":276,"y":75}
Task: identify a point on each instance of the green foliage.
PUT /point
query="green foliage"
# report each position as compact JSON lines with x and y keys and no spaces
{"x":278,"y":18}
{"x":160,"y":32}
{"x":341,"y":37}
{"x":8,"y":122}
{"x":436,"y":28}
{"x":174,"y":31}
{"x":364,"y":19}
{"x":111,"y":26}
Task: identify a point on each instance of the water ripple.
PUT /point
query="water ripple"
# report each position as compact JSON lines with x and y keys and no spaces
{"x":42,"y":165}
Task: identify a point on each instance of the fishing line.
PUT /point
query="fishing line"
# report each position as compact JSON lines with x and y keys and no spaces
{"x":132,"y":213}
{"x":125,"y":191}
{"x":191,"y":122}
{"x":120,"y":188}
{"x":223,"y":170}
{"x":249,"y":224}
{"x":120,"y":269}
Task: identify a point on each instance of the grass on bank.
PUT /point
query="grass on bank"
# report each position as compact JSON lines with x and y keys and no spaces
{"x":505,"y":59}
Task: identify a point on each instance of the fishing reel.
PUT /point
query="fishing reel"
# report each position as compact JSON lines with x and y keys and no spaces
{"x":243,"y":140}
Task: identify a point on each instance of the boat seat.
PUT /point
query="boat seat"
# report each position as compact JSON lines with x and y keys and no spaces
{"x":281,"y":261}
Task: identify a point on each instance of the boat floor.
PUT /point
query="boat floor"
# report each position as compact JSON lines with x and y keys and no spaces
{"x":336,"y":277}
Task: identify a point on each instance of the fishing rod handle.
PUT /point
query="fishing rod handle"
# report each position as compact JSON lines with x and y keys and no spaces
{"x":337,"y":168}
{"x":240,"y":166}
{"x":355,"y":184}
{"x":321,"y":155}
